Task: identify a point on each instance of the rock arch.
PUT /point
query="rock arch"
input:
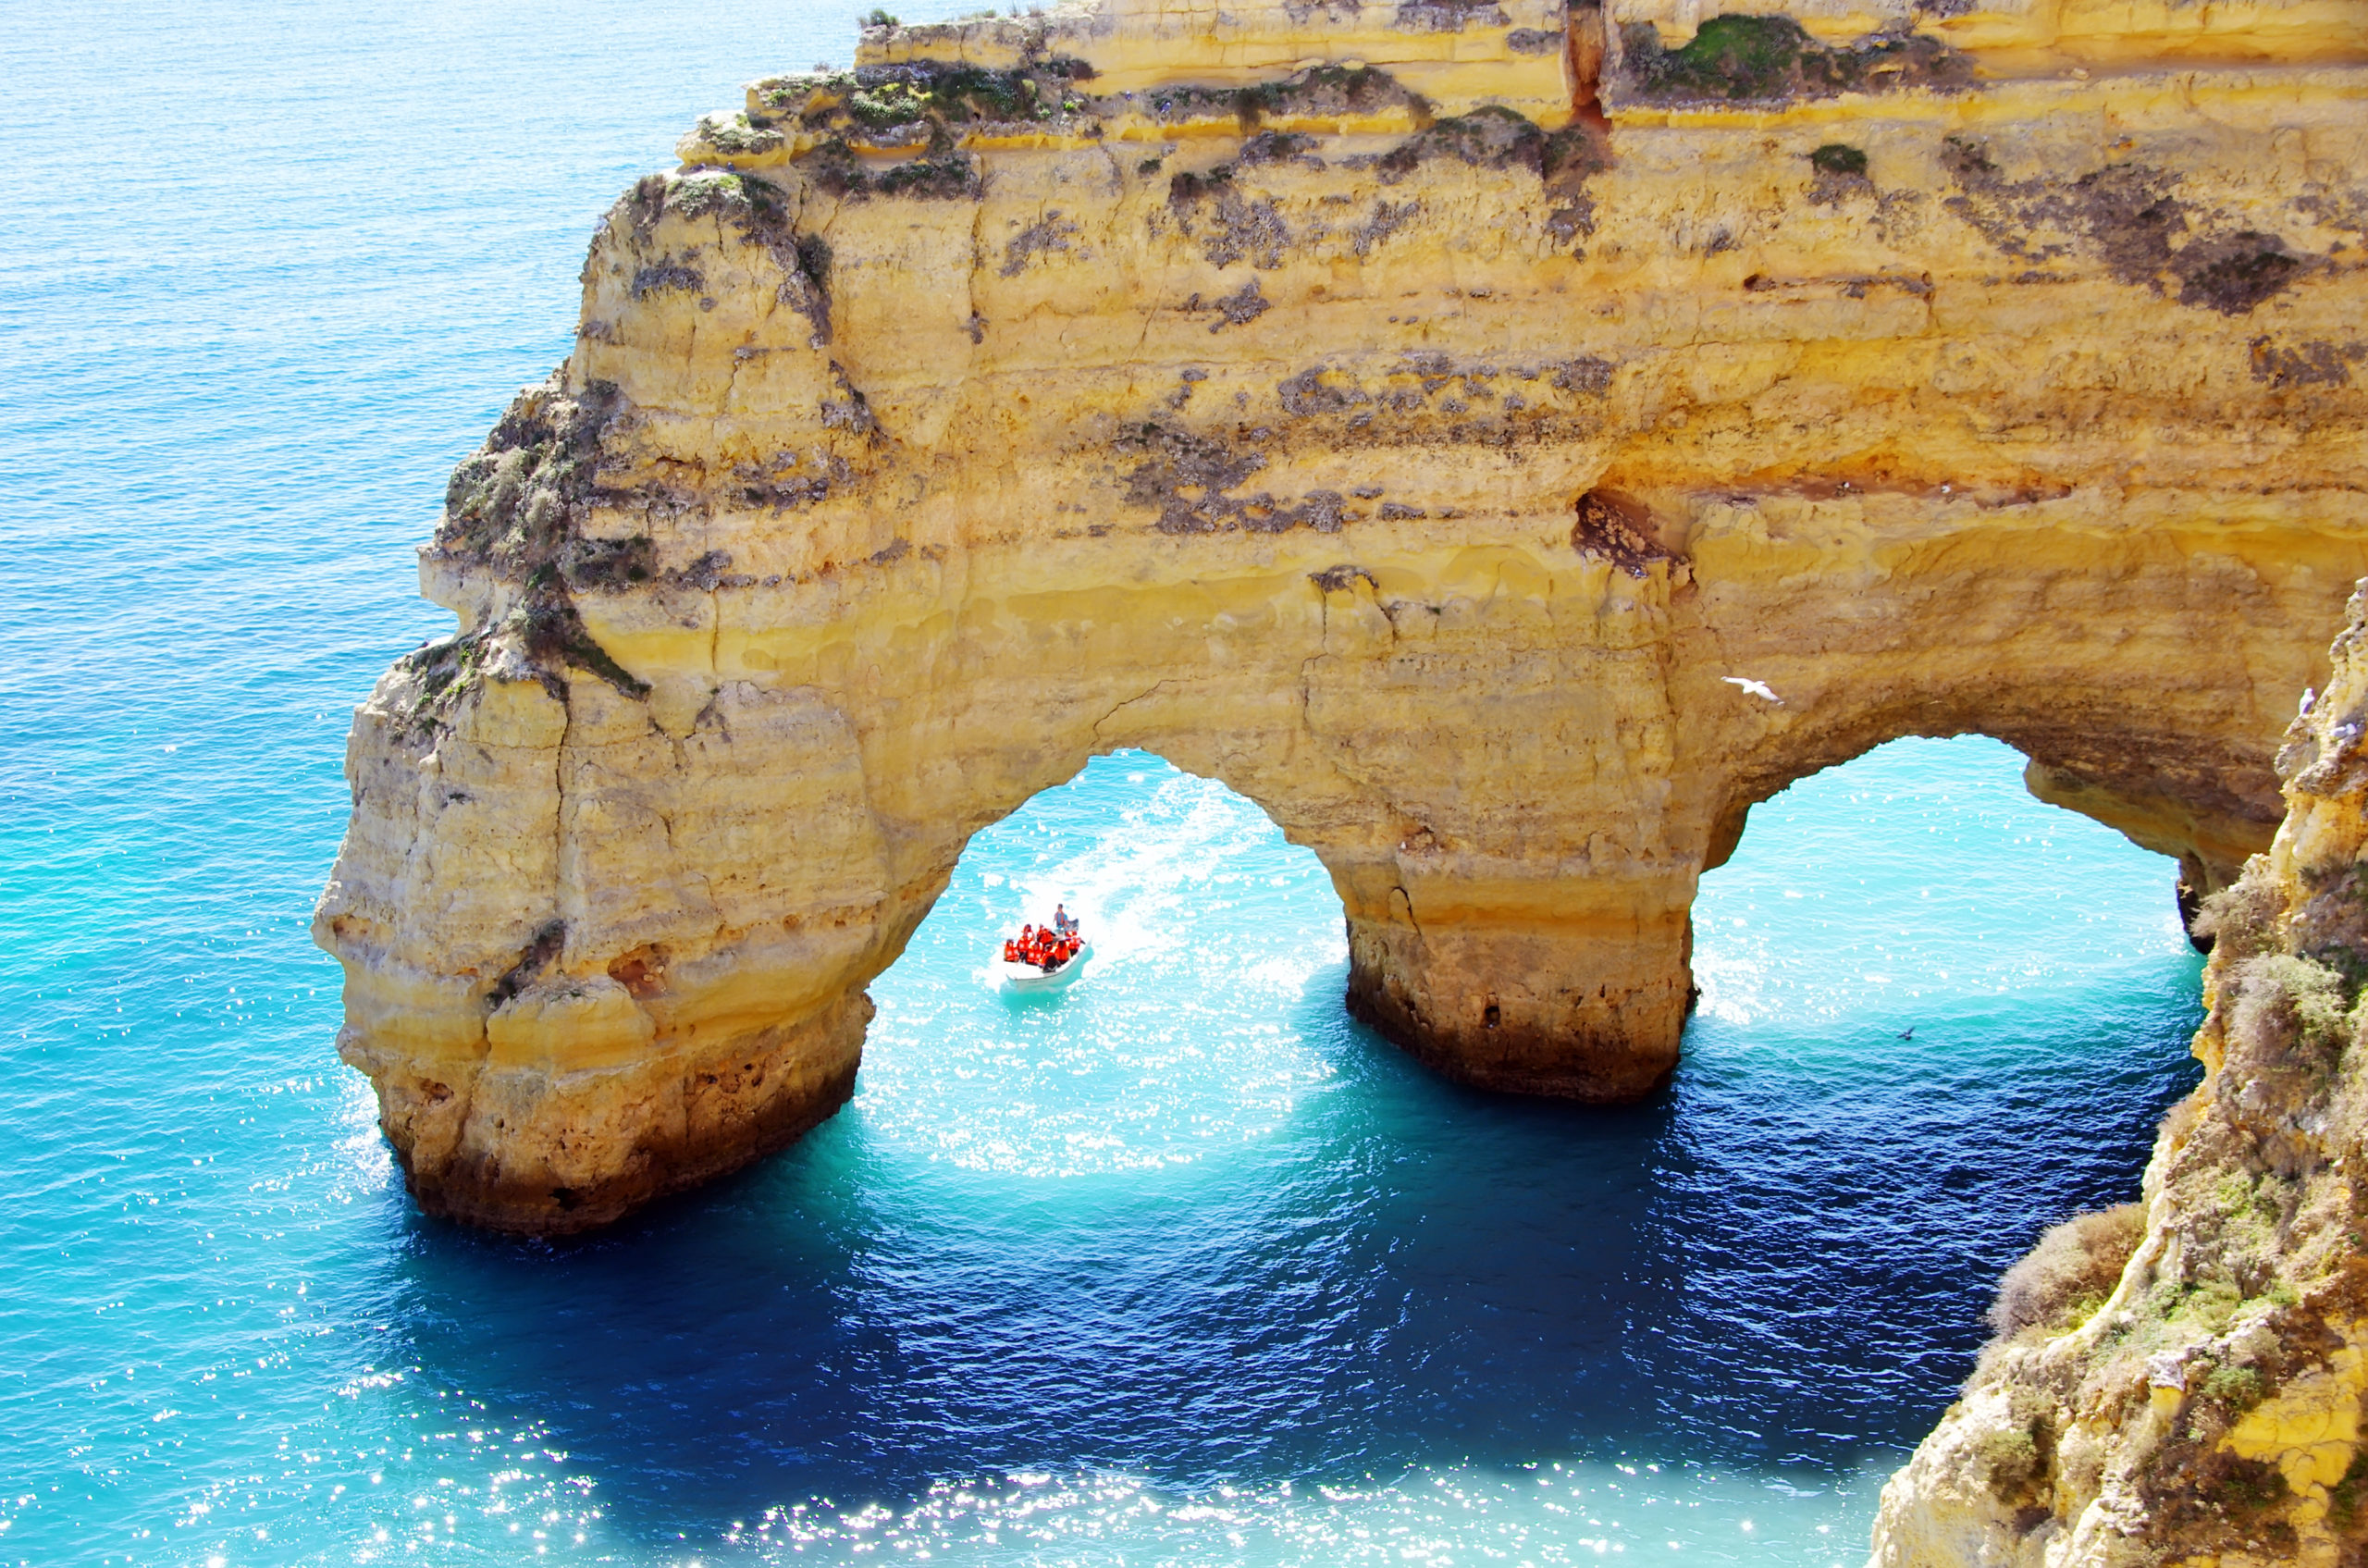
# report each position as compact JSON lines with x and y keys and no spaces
{"x":1503,"y":495}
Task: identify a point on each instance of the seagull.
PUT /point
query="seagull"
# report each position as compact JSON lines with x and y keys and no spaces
{"x":1756,"y":688}
{"x":1908,"y":1033}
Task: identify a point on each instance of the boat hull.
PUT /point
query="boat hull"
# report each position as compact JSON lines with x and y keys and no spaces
{"x":1025,"y":978}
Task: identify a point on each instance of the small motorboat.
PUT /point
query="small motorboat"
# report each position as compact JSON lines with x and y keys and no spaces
{"x":1025,"y":970}
{"x":1028,"y":977}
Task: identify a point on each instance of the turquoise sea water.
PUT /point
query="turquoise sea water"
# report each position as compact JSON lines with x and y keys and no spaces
{"x":1182,"y":1267}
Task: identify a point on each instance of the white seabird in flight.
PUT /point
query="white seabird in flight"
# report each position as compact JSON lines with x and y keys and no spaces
{"x":1756,"y":688}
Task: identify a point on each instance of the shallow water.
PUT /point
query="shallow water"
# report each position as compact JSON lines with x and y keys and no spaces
{"x":1181,"y":1266}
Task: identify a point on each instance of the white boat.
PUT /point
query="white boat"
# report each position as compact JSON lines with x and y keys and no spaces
{"x":1028,"y":977}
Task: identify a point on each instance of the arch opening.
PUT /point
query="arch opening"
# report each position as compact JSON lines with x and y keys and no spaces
{"x":1936,"y":1016}
{"x":1961,"y":880}
{"x":1209,"y":1000}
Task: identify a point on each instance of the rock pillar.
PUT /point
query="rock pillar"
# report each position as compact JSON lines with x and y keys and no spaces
{"x":1575,"y":990}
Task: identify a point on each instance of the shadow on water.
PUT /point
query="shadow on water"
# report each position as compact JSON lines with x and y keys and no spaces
{"x":1761,"y":1267}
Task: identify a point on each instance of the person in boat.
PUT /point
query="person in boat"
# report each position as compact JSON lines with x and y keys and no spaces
{"x":1010,"y":952}
{"x":1063,"y":921}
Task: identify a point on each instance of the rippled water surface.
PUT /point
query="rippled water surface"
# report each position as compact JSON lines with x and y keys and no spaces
{"x":1181,"y":1266}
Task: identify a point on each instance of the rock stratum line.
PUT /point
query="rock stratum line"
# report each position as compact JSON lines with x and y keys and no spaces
{"x":1504,"y":442}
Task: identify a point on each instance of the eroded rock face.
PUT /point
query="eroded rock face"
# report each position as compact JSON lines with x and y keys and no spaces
{"x":1504,"y":443}
{"x":2182,"y":1381}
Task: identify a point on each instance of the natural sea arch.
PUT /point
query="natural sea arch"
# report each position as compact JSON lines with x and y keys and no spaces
{"x":808,"y":564}
{"x":1514,"y":765}
{"x":1504,"y":573}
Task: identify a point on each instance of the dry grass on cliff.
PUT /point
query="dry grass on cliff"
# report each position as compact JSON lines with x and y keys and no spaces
{"x":2069,"y":1274}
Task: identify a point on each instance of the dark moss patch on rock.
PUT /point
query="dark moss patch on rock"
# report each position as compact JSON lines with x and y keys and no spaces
{"x":1047,"y":236}
{"x":2318,"y":362}
{"x":2232,"y":273}
{"x":1173,"y":456}
{"x":1448,"y":16}
{"x":787,"y":482}
{"x":1839,"y":171}
{"x":518,"y":506}
{"x":1186,"y":189}
{"x":1498,"y":138}
{"x":519,"y":498}
{"x":924,"y":93}
{"x":738,"y":136}
{"x":1231,"y":225}
{"x":2210,"y":1497}
{"x":707,"y":192}
{"x":811,"y":255}
{"x":1279,"y":147}
{"x":937,"y":176}
{"x":1385,"y":220}
{"x":2130,"y":217}
{"x":934,"y":104}
{"x":1838,"y":159}
{"x":1190,"y":478}
{"x":1242,"y":306}
{"x":1587,"y":376}
{"x":1322,"y":90}
{"x":2348,"y":1499}
{"x":1490,"y":136}
{"x":760,"y":211}
{"x":443,"y":671}
{"x":1750,"y":59}
{"x":665,"y":277}
{"x":541,"y":951}
{"x":1317,"y":390}
{"x":609,"y":565}
{"x":1184,"y":476}
{"x":555,"y":635}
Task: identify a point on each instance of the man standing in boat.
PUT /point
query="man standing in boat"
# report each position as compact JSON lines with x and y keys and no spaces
{"x":1063,"y":921}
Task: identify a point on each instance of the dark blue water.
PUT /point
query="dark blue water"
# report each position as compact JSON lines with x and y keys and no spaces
{"x":1181,"y":1267}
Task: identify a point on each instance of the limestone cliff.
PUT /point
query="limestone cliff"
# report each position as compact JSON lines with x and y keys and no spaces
{"x":2182,"y":1381}
{"x":1504,"y":442}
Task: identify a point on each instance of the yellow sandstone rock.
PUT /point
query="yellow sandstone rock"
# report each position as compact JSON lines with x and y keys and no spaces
{"x":2188,"y":1389}
{"x":1506,"y":444}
